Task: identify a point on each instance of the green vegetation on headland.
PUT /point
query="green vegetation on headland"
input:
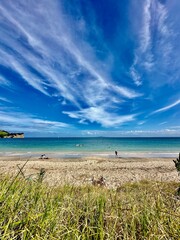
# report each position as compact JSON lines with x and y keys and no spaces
{"x":5,"y":134}
{"x":143,"y":210}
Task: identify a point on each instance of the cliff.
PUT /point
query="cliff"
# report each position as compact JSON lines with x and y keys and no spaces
{"x":5,"y":134}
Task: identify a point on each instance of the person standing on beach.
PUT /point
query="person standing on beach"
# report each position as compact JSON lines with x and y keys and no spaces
{"x":116,"y":153}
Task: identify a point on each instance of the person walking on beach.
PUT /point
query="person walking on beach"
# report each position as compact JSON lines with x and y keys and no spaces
{"x":116,"y":153}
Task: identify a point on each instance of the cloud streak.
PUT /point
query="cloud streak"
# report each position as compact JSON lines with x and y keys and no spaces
{"x":4,"y":82}
{"x":69,"y":58}
{"x":99,"y":115}
{"x":62,"y":63}
{"x":167,"y":107}
{"x":14,"y":121}
{"x":134,"y":133}
{"x":5,"y":100}
{"x":154,"y":44}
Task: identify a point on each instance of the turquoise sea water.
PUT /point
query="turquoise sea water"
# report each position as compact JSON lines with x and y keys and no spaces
{"x":88,"y":146}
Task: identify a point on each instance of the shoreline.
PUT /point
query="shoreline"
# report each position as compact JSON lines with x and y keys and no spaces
{"x":80,"y":171}
{"x":70,"y":154}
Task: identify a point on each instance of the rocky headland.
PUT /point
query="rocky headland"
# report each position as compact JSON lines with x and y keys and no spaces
{"x":5,"y":134}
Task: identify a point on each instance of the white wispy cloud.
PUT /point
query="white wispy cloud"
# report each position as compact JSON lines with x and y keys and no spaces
{"x":146,"y":29}
{"x":162,"y":123}
{"x":15,"y":121}
{"x":167,"y":107}
{"x":100,"y":115}
{"x":133,"y":133}
{"x":60,"y":57}
{"x":144,"y":43}
{"x":175,"y":127}
{"x":5,"y":100}
{"x":126,"y":92}
{"x":4,"y":82}
{"x":141,"y":122}
{"x":155,"y":35}
{"x":135,"y":75}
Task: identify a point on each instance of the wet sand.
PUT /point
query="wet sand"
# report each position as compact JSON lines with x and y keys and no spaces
{"x":79,"y":171}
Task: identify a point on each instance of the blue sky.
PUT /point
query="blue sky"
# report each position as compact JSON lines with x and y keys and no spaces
{"x":90,"y":68}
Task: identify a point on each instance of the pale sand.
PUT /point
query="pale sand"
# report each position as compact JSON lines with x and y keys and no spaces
{"x":79,"y":171}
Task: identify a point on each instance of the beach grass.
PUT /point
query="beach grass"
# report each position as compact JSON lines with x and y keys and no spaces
{"x":141,"y":210}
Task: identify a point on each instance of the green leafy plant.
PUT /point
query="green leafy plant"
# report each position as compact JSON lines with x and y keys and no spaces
{"x":177,"y":165}
{"x":41,"y":175}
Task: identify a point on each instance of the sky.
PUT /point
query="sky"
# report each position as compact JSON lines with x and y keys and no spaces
{"x":90,"y":68}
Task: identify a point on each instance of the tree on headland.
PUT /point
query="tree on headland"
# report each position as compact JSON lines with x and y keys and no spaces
{"x":3,"y":133}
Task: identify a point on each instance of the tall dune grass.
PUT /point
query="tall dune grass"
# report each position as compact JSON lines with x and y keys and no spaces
{"x":144,"y":210}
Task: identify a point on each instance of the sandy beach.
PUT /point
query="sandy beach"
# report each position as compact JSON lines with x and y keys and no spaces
{"x":79,"y":171}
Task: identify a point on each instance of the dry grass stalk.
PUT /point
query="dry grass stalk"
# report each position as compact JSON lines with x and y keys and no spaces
{"x":98,"y":182}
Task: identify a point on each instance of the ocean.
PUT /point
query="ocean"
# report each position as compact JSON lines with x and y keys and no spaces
{"x":77,"y":147}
